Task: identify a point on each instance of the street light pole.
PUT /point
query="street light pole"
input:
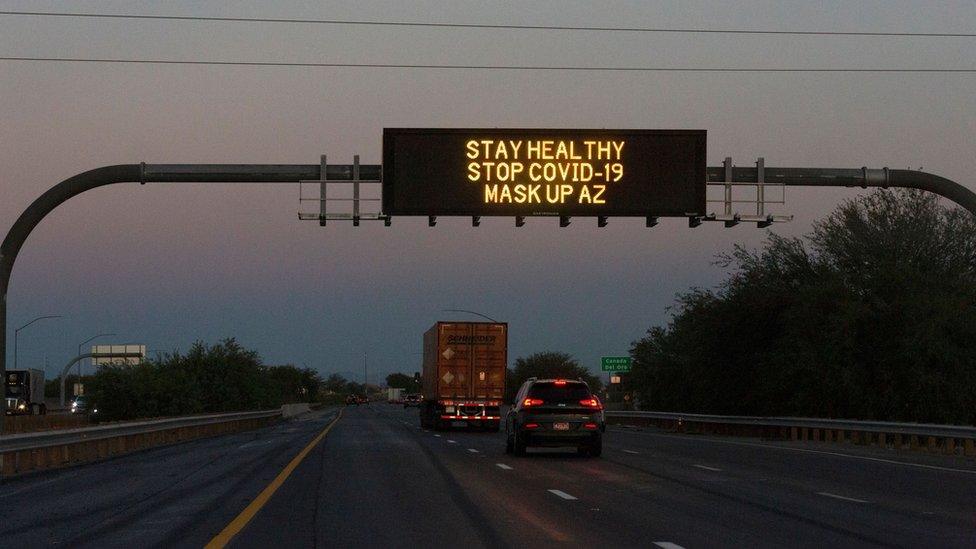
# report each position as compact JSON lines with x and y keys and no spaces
{"x":365,"y":378}
{"x":82,"y":344}
{"x":469,"y":312}
{"x":17,"y":332}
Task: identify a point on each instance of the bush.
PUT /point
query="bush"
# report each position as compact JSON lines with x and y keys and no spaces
{"x":871,"y":316}
{"x":548,"y":364}
{"x":208,"y":379}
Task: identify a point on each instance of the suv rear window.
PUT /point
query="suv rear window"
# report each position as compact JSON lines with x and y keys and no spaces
{"x":552,"y":393}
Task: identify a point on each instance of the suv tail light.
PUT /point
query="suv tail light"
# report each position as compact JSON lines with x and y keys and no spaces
{"x":529,"y":402}
{"x":591,"y":402}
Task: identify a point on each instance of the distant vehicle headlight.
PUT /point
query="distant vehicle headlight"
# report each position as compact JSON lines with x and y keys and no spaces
{"x":21,"y":406}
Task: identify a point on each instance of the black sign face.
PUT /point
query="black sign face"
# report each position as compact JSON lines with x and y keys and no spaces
{"x":543,"y":172}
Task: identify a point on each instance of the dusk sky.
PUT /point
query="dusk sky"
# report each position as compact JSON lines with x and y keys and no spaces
{"x":165,"y":265}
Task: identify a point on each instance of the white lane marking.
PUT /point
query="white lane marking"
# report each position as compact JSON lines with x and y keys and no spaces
{"x":472,"y":450}
{"x":808,"y":451}
{"x":562,"y":494}
{"x":845,"y":498}
{"x":706,"y":467}
{"x":631,"y":452}
{"x":438,"y":436}
{"x":32,"y":486}
{"x":667,"y":545}
{"x":503,"y":466}
{"x":451,"y":441}
{"x":255,"y":443}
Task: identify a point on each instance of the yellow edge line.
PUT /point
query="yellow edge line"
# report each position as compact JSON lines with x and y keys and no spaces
{"x":239,"y":522}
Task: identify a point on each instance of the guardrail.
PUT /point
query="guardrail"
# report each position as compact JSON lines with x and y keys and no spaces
{"x":22,"y":453}
{"x":949,"y":439}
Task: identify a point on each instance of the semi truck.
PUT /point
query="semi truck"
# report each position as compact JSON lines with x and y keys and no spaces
{"x":24,"y":392}
{"x":463,"y":375}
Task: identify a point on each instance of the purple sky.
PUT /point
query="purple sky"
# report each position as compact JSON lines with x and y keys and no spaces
{"x":166,"y":265}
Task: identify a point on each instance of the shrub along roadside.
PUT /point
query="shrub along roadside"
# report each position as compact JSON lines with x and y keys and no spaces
{"x":207,"y":379}
{"x":871,"y":316}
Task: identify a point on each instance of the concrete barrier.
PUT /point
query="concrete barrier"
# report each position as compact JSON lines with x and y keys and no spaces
{"x":292,"y":410}
{"x":29,"y":452}
{"x":48,"y":422}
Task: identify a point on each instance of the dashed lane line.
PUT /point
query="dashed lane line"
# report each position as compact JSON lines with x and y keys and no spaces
{"x":845,"y":498}
{"x":472,"y":450}
{"x":562,"y":494}
{"x":667,"y":545}
{"x":707,"y":468}
{"x":503,"y":466}
{"x":632,"y":452}
{"x":449,"y":441}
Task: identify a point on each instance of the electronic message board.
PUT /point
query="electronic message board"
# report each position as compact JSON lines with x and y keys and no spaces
{"x":525,"y":172}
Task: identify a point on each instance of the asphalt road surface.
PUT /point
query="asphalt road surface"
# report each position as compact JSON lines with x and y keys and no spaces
{"x":378,"y":480}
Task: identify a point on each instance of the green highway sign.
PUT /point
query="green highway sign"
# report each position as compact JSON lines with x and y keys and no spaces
{"x":615,"y":363}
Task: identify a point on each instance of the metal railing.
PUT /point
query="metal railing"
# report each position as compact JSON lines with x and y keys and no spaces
{"x":47,"y":439}
{"x":917,"y":429}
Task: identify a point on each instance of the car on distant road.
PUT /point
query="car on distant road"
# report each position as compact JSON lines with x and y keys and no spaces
{"x":555,"y":413}
{"x":352,"y":399}
{"x":412,"y":400}
{"x":79,"y":405}
{"x":362,"y":399}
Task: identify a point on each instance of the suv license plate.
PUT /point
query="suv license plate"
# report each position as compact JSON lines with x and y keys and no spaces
{"x":560,"y":426}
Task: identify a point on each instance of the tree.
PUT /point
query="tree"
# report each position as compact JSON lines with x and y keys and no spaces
{"x":871,"y":316}
{"x":293,"y":384}
{"x":548,"y":364}
{"x":399,"y":381}
{"x":335,"y":383}
{"x":210,"y":378}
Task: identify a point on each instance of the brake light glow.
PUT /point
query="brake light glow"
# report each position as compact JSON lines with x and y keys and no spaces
{"x":559,"y":382}
{"x":531,"y":425}
{"x":591,"y":403}
{"x":589,"y":425}
{"x":529,"y":402}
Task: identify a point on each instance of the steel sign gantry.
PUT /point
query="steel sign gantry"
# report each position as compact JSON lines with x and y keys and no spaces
{"x":295,"y":173}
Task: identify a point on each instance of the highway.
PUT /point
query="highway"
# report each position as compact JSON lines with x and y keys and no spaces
{"x":377,"y":480}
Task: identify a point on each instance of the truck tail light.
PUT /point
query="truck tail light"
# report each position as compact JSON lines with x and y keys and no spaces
{"x":591,"y":402}
{"x":529,"y":402}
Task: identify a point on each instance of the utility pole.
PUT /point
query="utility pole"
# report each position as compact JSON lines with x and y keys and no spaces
{"x":365,"y":378}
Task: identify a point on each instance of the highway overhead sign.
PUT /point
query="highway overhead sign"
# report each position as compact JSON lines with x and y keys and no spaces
{"x":615,"y":363}
{"x":525,"y":172}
